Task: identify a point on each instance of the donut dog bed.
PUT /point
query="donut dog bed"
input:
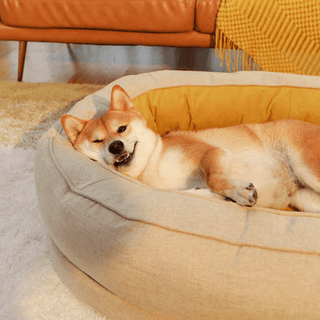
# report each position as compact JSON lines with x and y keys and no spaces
{"x":134,"y":252}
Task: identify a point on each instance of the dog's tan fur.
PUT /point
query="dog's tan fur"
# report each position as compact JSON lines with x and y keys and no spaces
{"x":274,"y":164}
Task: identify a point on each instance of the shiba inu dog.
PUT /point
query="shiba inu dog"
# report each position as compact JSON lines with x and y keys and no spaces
{"x":274,"y":164}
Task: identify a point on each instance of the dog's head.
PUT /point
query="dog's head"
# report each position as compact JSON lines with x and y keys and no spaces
{"x":114,"y":139}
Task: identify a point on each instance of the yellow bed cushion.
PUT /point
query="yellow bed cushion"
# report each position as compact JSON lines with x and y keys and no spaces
{"x":201,"y":107}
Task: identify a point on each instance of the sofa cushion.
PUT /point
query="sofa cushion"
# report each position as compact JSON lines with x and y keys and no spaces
{"x":127,"y":15}
{"x":206,"y":13}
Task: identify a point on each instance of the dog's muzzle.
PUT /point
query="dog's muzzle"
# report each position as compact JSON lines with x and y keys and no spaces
{"x":116,"y":147}
{"x":118,"y":150}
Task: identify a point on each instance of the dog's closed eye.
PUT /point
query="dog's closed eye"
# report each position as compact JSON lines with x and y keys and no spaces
{"x":97,"y":141}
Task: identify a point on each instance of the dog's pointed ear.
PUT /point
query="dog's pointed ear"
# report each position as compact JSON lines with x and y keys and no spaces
{"x":120,"y":100}
{"x":72,"y":126}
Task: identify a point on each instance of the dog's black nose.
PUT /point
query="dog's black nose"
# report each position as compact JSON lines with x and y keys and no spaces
{"x":116,"y":147}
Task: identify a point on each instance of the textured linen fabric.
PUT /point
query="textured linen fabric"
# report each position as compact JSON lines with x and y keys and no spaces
{"x":135,"y":252}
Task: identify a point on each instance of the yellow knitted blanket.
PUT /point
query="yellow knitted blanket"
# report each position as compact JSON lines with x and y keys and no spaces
{"x":273,"y":35}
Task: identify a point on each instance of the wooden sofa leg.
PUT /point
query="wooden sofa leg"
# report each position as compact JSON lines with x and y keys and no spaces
{"x":22,"y":57}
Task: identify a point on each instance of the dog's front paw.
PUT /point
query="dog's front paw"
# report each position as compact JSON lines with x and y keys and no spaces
{"x":244,"y":193}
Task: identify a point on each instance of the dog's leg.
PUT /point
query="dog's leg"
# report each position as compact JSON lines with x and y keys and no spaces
{"x":215,"y":164}
{"x":307,"y":200}
{"x":303,"y":153}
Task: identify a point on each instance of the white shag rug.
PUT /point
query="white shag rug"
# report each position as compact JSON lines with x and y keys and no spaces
{"x":29,"y":287}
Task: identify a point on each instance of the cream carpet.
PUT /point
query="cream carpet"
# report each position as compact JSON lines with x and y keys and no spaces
{"x":29,"y":287}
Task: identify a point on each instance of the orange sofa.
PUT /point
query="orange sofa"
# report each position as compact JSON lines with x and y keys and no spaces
{"x":175,"y":23}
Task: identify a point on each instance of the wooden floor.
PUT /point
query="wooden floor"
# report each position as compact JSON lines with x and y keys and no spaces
{"x":55,"y":62}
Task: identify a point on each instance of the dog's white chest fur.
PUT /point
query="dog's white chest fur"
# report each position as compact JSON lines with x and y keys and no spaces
{"x":172,"y":170}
